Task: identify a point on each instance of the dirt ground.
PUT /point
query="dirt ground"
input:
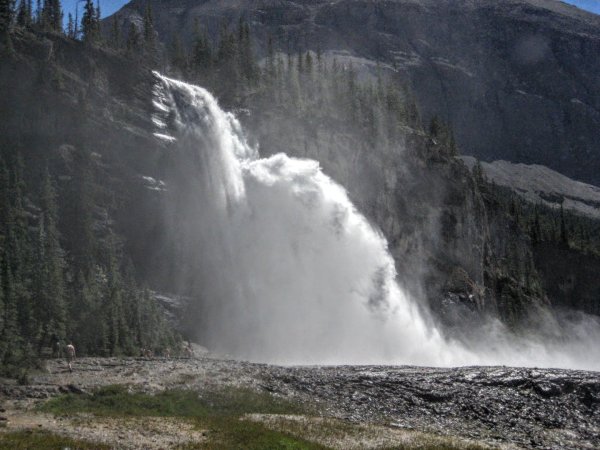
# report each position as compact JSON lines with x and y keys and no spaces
{"x":360,"y":406}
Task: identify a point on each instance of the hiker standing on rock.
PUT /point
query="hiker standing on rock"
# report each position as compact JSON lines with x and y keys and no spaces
{"x":189,"y":351}
{"x":70,"y":355}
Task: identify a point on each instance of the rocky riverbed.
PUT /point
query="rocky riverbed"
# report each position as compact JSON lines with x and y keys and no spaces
{"x":494,"y":406}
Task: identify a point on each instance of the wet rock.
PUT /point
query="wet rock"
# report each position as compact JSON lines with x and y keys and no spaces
{"x":74,"y":389}
{"x":547,"y":390}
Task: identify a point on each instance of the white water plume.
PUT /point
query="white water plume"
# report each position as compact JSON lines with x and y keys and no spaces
{"x":290,"y":271}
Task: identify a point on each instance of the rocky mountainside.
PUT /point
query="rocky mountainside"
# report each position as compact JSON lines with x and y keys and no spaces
{"x":461,"y":244}
{"x":517,"y":79}
{"x":567,"y":276}
{"x":541,"y":185}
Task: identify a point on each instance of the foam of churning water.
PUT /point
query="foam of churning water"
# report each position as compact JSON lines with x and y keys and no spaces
{"x":291,"y":271}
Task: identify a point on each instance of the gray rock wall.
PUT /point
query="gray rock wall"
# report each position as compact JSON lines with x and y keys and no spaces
{"x":517,"y":79}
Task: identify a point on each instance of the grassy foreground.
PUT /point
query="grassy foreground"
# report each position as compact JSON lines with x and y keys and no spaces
{"x":42,"y":440}
{"x":218,"y":412}
{"x":227,"y":419}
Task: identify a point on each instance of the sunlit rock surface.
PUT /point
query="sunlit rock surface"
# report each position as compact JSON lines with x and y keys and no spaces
{"x":541,"y":185}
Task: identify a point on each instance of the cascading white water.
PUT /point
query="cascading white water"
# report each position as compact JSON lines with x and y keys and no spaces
{"x":291,"y":272}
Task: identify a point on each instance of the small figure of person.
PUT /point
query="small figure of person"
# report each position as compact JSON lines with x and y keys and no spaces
{"x":189,"y":351}
{"x":168,"y":353}
{"x":70,"y":355}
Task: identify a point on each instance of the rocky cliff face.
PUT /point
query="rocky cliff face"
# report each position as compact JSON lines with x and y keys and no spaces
{"x":454,"y":244}
{"x":517,"y":79}
{"x":59,"y":96}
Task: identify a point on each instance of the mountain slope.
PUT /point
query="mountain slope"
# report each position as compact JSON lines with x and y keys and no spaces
{"x":540,"y":185}
{"x":517,"y":79}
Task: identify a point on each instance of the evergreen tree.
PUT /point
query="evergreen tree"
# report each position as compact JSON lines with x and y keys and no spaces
{"x":270,"y":66}
{"x":52,"y":15}
{"x":4,"y":215}
{"x":536,"y":231}
{"x":113,"y":302}
{"x":227,"y":62}
{"x":564,"y":235}
{"x":11,"y":342}
{"x":15,"y":265}
{"x":115,"y":33}
{"x":49,"y":293}
{"x":201,"y":57}
{"x":76,"y":23}
{"x":443,"y":135}
{"x":6,"y":18}
{"x":24,"y":18}
{"x":246,"y":62}
{"x":178,"y":57}
{"x":90,"y":23}
{"x":133,"y":39}
{"x":77,"y":214}
{"x":18,"y":246}
{"x":38,"y":13}
{"x":308,"y":64}
{"x":70,"y":27}
{"x":6,"y":15}
{"x":299,"y":63}
{"x":148,"y":27}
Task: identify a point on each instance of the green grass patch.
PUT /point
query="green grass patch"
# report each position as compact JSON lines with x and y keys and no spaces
{"x":221,"y":416}
{"x":42,"y":440}
{"x":232,"y":433}
{"x":218,"y":412}
{"x":117,"y":400}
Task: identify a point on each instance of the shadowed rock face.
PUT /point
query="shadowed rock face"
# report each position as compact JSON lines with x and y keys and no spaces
{"x":518,"y":79}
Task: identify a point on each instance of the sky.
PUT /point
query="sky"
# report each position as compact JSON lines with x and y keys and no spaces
{"x":107,"y":7}
{"x":590,"y":5}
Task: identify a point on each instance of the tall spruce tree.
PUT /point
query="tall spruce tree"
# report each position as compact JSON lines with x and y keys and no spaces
{"x":6,"y":18}
{"x":15,"y":265}
{"x":178,"y":58}
{"x":24,"y":18}
{"x":113,"y":301}
{"x":77,"y":214}
{"x":133,"y":39}
{"x":90,"y":27}
{"x":6,"y":14}
{"x":148,"y":26}
{"x":49,"y":292}
{"x":52,"y":15}
{"x":115,"y":33}
{"x":70,"y":26}
{"x":201,"y":58}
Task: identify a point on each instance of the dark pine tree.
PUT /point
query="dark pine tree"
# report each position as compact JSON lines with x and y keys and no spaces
{"x":24,"y":18}
{"x":49,"y":292}
{"x":201,"y":58}
{"x":70,"y":26}
{"x":90,"y":23}
{"x":133,"y":39}
{"x":6,"y":17}
{"x":115,"y":33}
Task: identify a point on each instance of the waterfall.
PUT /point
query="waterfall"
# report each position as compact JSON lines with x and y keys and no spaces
{"x":289,"y":270}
